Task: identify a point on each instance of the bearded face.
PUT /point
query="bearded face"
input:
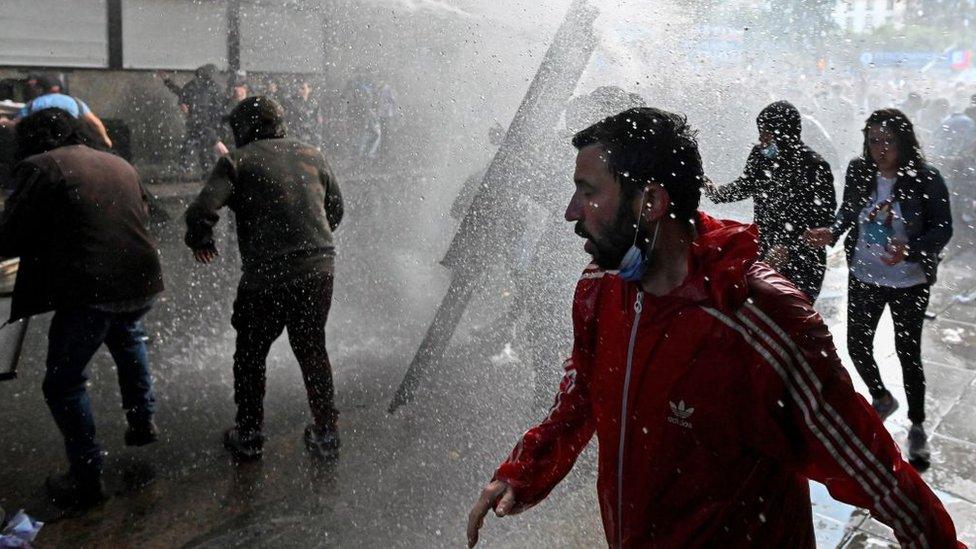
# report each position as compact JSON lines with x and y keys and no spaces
{"x":608,"y":243}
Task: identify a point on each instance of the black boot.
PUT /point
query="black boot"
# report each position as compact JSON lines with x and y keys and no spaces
{"x":885,"y":406}
{"x":322,"y":443}
{"x":141,"y":432}
{"x":918,"y":448}
{"x":78,"y":491}
{"x":244,"y":445}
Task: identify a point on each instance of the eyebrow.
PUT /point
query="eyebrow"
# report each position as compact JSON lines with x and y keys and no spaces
{"x":580,"y":182}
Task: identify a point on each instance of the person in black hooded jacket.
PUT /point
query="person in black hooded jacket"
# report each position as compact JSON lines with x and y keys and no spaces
{"x":287,"y":204}
{"x":793,"y":190}
{"x":897,"y":218}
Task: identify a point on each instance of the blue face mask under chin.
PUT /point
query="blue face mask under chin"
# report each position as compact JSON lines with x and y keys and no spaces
{"x":634,"y":263}
{"x":770,"y":151}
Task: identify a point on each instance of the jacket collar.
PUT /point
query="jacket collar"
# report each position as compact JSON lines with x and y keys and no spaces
{"x":718,"y":261}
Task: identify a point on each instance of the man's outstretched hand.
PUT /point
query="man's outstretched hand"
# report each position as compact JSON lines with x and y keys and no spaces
{"x":498,"y":495}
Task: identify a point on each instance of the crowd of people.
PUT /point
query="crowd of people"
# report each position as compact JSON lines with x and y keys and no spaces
{"x":358,"y":126}
{"x":697,"y":358}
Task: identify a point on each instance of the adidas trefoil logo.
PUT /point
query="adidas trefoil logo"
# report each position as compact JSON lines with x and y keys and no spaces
{"x":680,"y":414}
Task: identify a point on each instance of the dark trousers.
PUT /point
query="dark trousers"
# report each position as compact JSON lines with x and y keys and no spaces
{"x":865,"y":303}
{"x":302,"y":306}
{"x":74,"y":337}
{"x":197,"y":146}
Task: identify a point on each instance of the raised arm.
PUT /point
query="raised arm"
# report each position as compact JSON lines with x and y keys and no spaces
{"x":95,"y":123}
{"x":743,"y":187}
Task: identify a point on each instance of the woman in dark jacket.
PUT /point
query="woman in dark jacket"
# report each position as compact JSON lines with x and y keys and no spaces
{"x":792,"y":189}
{"x":897,"y":219}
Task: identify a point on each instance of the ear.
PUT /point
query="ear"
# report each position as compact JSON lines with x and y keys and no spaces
{"x":656,"y":203}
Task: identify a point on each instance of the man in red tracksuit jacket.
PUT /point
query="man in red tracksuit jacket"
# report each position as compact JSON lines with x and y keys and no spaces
{"x":713,"y":386}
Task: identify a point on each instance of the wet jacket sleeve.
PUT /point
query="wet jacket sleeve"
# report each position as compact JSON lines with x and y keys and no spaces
{"x":830,"y":433}
{"x":743,"y":187}
{"x":334,"y":207}
{"x":938,"y":221}
{"x":175,"y":88}
{"x":824,"y":197}
{"x":24,"y":211}
{"x":812,"y":207}
{"x":547,"y":452}
{"x":202,"y":214}
{"x":854,"y":193}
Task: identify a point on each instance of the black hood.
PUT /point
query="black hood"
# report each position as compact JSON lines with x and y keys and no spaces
{"x":783,"y":120}
{"x":206,"y":72}
{"x":257,"y":117}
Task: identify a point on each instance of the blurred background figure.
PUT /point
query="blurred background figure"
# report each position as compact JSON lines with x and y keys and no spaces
{"x":303,"y":114}
{"x":200,"y":101}
{"x":45,"y":92}
{"x":238,"y":89}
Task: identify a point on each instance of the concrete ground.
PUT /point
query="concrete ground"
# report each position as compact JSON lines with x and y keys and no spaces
{"x":405,"y":480}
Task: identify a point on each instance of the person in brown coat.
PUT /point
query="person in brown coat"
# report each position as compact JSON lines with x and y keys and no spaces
{"x":78,"y":221}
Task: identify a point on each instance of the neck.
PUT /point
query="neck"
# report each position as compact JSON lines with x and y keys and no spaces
{"x":668,"y":266}
{"x":888,"y":172}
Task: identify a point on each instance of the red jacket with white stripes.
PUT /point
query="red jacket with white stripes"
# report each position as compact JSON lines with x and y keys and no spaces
{"x":713,"y":405}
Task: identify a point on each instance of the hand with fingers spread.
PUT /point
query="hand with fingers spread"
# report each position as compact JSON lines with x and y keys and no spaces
{"x":205,"y":255}
{"x":498,"y":495}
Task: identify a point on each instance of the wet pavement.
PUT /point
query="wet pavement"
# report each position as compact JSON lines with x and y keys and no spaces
{"x":405,"y":480}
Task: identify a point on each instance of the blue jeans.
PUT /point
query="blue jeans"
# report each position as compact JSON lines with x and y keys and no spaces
{"x":74,"y":337}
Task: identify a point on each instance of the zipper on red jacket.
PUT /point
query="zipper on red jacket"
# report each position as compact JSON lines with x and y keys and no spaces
{"x":638,"y":308}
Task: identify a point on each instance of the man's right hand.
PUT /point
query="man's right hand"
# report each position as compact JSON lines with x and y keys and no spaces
{"x":498,"y":495}
{"x":206,"y":255}
{"x":818,"y":238}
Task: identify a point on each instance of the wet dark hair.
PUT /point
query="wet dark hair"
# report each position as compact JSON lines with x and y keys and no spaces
{"x":909,"y":151}
{"x":44,"y":83}
{"x":48,"y":129}
{"x":647,"y":145}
